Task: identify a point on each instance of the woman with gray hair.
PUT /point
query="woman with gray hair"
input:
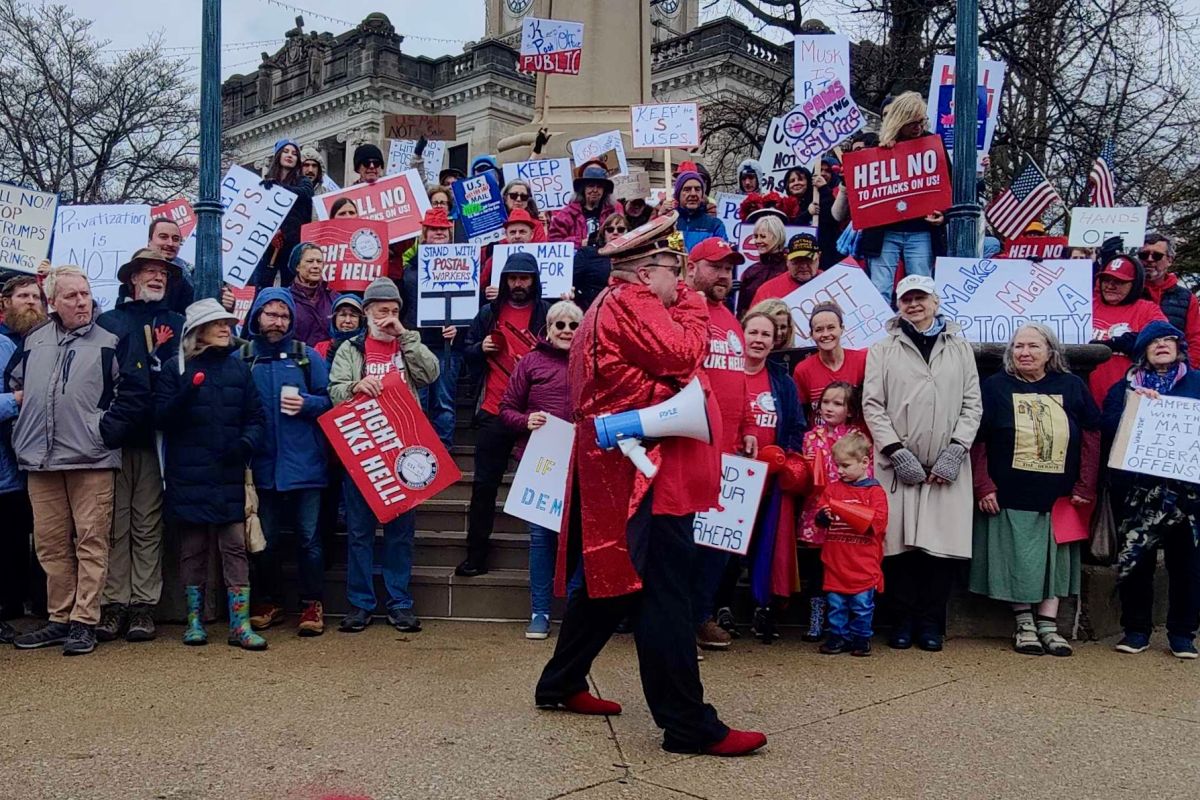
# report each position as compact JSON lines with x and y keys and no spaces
{"x":1035,"y":460}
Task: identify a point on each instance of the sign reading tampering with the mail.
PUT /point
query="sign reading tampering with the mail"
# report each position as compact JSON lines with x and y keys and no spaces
{"x":665,"y":125}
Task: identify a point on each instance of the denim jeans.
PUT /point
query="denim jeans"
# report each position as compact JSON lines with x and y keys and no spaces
{"x":708,"y":568}
{"x":438,"y":398}
{"x":850,"y":615}
{"x":303,"y":506}
{"x":543,"y":551}
{"x":916,"y":248}
{"x":397,"y":553}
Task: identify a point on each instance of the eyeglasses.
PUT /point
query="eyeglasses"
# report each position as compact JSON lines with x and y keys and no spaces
{"x":442,"y":203}
{"x":273,"y":315}
{"x":517,"y":196}
{"x":373,"y":163}
{"x":1151,"y":255}
{"x":615,"y":229}
{"x":561,"y":325}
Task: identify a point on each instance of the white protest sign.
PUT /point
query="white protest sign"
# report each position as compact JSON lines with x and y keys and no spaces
{"x":729,"y":207}
{"x":940,"y":104}
{"x":605,"y":147}
{"x":1159,"y":437}
{"x":26,"y":221}
{"x":550,"y":45}
{"x":665,"y":125}
{"x":820,"y":59}
{"x":822,"y":122}
{"x":98,"y":240}
{"x":548,"y":178}
{"x":329,"y":183}
{"x":991,"y":298}
{"x":777,"y":157}
{"x":556,"y":261}
{"x":539,"y":487}
{"x":634,"y":186}
{"x":864,"y":311}
{"x":253,"y":213}
{"x":447,"y":284}
{"x":401,"y":153}
{"x":728,"y":526}
{"x":1091,"y":226}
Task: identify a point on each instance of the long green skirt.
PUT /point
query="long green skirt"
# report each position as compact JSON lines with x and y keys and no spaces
{"x":1015,"y":558}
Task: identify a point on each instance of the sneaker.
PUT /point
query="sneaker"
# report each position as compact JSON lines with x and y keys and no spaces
{"x":264,"y":615}
{"x":81,"y":640}
{"x":112,"y":621}
{"x":357,"y":620}
{"x":1182,"y":646}
{"x":469,"y":570}
{"x":7,"y":633}
{"x":539,"y":627}
{"x":711,"y":636}
{"x":312,"y":619}
{"x":901,"y":638}
{"x":52,"y":633}
{"x":860,"y":647}
{"x":763,"y":625}
{"x":834,"y":645}
{"x":1133,"y":643}
{"x":726,"y":623}
{"x":404,"y":620}
{"x":141,"y":624}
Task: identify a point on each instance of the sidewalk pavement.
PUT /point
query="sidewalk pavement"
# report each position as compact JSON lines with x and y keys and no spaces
{"x":447,"y":713}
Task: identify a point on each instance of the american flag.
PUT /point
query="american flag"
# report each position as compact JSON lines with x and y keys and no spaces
{"x":1018,"y":205}
{"x":1100,"y":180}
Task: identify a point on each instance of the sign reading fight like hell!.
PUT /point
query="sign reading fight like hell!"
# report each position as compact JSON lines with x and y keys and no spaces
{"x":549,"y":179}
{"x":539,"y":487}
{"x":389,"y":449}
{"x":447,"y":284}
{"x":26,"y":222}
{"x":253,"y":213}
{"x":99,"y":239}
{"x":1043,"y":247}
{"x":665,"y":125}
{"x":355,"y":251}
{"x":399,"y":200}
{"x":481,"y":207}
{"x":822,"y":122}
{"x":556,"y":262}
{"x":864,"y":311}
{"x":728,"y":526}
{"x":908,"y":181}
{"x":551,"y":45}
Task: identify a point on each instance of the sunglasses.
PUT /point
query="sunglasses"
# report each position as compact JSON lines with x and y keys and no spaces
{"x":1151,"y":255}
{"x":373,"y":163}
{"x":615,"y":229}
{"x":562,"y":325}
{"x":517,"y":196}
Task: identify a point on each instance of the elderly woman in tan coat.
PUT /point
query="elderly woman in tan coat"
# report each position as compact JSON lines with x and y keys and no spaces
{"x":922,"y":403}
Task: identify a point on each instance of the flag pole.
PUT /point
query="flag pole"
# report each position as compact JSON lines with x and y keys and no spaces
{"x":963,"y":217}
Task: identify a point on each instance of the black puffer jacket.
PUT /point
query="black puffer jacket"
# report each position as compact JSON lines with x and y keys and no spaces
{"x":211,"y":431}
{"x":274,"y":263}
{"x":140,"y":325}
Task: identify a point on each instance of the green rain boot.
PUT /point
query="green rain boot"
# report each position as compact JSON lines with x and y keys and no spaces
{"x":195,"y":633}
{"x":240,"y":633}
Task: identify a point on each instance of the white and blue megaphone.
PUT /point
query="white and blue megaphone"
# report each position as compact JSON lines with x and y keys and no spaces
{"x":682,"y":415}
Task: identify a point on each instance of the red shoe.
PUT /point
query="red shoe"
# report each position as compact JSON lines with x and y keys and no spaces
{"x":737,"y":743}
{"x":584,"y":703}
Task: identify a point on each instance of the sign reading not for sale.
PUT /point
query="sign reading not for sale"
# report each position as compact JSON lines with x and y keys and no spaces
{"x":908,"y":181}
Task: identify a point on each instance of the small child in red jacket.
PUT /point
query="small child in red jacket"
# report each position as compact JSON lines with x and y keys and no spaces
{"x":854,"y":511}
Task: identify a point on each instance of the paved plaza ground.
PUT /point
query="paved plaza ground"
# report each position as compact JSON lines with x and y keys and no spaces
{"x":447,"y":713}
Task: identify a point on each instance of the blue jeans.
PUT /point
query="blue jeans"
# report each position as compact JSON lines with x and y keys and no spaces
{"x":303,"y":505}
{"x":543,"y":558}
{"x":708,"y":568}
{"x":438,"y":398}
{"x":850,"y":615}
{"x":397,"y":553}
{"x":916,"y":247}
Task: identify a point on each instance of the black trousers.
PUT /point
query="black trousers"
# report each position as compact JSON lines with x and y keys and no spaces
{"x":1182,"y":559}
{"x":663,"y":632}
{"x":493,"y":449}
{"x":21,"y":576}
{"x":917,"y":586}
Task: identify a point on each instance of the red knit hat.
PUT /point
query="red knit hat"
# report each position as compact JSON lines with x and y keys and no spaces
{"x":436,"y":217}
{"x":519,"y":216}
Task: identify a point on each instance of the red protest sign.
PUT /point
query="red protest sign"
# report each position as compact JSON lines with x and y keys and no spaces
{"x":399,"y":200}
{"x":389,"y":449}
{"x":243,"y":300}
{"x":1046,"y":247}
{"x":907,"y":181}
{"x":355,"y":251}
{"x":178,"y":211}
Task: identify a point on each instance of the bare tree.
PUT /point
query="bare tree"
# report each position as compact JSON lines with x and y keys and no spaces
{"x":91,"y":125}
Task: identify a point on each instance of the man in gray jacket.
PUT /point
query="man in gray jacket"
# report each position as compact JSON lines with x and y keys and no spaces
{"x":77,"y":407}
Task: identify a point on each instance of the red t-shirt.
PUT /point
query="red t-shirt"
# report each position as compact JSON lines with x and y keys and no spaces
{"x":854,"y":561}
{"x":383,"y":357}
{"x":762,"y":408}
{"x":513,"y":325}
{"x":812,"y":376}
{"x":778,"y":287}
{"x":726,"y":368}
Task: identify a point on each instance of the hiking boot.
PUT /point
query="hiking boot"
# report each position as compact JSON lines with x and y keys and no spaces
{"x":264,"y":615}
{"x":141,"y":624}
{"x":7,"y":633}
{"x":112,"y":621}
{"x":816,"y":620}
{"x":901,"y":638}
{"x":711,"y":636}
{"x":81,"y":640}
{"x":834,"y":645}
{"x":52,"y":633}
{"x":404,"y":620}
{"x":539,"y":627}
{"x":1131,"y":642}
{"x":312,"y":619}
{"x":1182,"y":646}
{"x":357,"y":620}
{"x":725,"y":621}
{"x":240,"y":633}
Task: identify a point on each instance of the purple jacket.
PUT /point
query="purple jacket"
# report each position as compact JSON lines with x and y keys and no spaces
{"x":570,"y":225}
{"x":539,"y":383}
{"x":314,"y":307}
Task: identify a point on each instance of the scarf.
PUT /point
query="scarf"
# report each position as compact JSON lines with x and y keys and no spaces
{"x":1161,"y":382}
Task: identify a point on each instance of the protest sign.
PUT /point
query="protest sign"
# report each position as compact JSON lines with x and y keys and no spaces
{"x":634,"y":186}
{"x":414,"y":126}
{"x":401,"y":153}
{"x":99,"y":239}
{"x":907,"y":181}
{"x":864,"y":311}
{"x":243,"y":300}
{"x":556,"y":262}
{"x":940,"y":108}
{"x":551,"y":45}
{"x":253,"y":213}
{"x":355,"y":251}
{"x":991,"y":298}
{"x":1091,"y":226}
{"x":728,"y":526}
{"x":398,"y":200}
{"x":539,"y":487}
{"x":389,"y":449}
{"x":665,"y":125}
{"x":819,"y":60}
{"x":1159,"y":437}
{"x":26,"y":221}
{"x":729,"y":208}
{"x":607,"y":148}
{"x":1043,"y":247}
{"x":180,"y":212}
{"x":329,"y":183}
{"x":777,"y":157}
{"x":481,"y":207}
{"x":822,"y":122}
{"x":447,"y":284}
{"x":549,"y":179}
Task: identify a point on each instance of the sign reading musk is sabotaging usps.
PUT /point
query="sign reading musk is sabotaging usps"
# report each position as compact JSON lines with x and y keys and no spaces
{"x":355,"y":251}
{"x":864,"y":311}
{"x":820,"y":59}
{"x":908,"y":181}
{"x":253,"y":213}
{"x":728,"y":526}
{"x":26,"y":223}
{"x":549,"y":179}
{"x":399,"y":200}
{"x":389,"y":449}
{"x":665,"y":125}
{"x":551,"y":45}
{"x":1159,"y":437}
{"x":539,"y":487}
{"x":556,"y":263}
{"x":822,"y":122}
{"x":447,"y":284}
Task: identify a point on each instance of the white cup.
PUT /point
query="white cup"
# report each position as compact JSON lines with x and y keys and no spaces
{"x":288,"y":390}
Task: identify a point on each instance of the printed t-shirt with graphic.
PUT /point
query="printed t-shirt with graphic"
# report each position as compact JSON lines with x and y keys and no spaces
{"x":725,"y":365}
{"x":812,"y":376}
{"x":383,"y":357}
{"x":762,"y":408}
{"x":854,"y":561}
{"x":513,"y":325}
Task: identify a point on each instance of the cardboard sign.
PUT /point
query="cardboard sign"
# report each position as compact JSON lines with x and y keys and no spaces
{"x":940,"y":106}
{"x":180,"y":212}
{"x":728,"y":526}
{"x":865,"y":312}
{"x":991,"y":298}
{"x":414,"y":126}
{"x":99,"y":239}
{"x":823,"y":122}
{"x":480,"y":207}
{"x":634,"y":186}
{"x":447,"y":284}
{"x":389,"y":449}
{"x":820,"y":59}
{"x":26,"y":222}
{"x":539,"y":488}
{"x":777,"y":157}
{"x":253,"y":213}
{"x":550,"y":45}
{"x":608,"y":148}
{"x":549,"y":179}
{"x":1159,"y":437}
{"x":398,"y":200}
{"x":665,"y":125}
{"x":401,"y":153}
{"x":355,"y":251}
{"x":329,"y":183}
{"x":1043,"y":247}
{"x":243,"y":301}
{"x":1091,"y":226}
{"x":556,"y":261}
{"x":907,"y":181}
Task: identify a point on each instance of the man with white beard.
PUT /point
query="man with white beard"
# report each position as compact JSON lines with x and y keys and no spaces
{"x":134,"y":583}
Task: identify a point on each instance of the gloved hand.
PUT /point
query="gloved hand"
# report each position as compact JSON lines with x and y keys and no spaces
{"x":949,"y":462}
{"x":908,"y":467}
{"x":1123,"y":344}
{"x":822,"y":518}
{"x":419,"y":150}
{"x":1112,"y":247}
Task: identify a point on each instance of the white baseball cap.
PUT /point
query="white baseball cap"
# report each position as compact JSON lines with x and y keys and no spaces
{"x":916,"y":283}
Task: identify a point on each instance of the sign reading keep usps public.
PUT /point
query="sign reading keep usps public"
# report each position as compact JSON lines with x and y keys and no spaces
{"x":549,"y":179}
{"x":447,"y":284}
{"x":539,"y":488}
{"x":665,"y":125}
{"x":1091,"y":226}
{"x":26,"y":221}
{"x":556,"y":262}
{"x":551,"y":45}
{"x":253,"y":213}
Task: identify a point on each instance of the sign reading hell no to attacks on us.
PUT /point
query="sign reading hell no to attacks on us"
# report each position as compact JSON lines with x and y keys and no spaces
{"x":908,"y":181}
{"x":1159,"y":437}
{"x":728,"y":526}
{"x":539,"y":488}
{"x":253,"y":213}
{"x":399,"y":200}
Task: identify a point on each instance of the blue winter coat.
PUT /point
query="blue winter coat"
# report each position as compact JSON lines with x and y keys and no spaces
{"x":789,"y":411}
{"x":698,"y":225}
{"x":293,"y":451}
{"x":11,"y":478}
